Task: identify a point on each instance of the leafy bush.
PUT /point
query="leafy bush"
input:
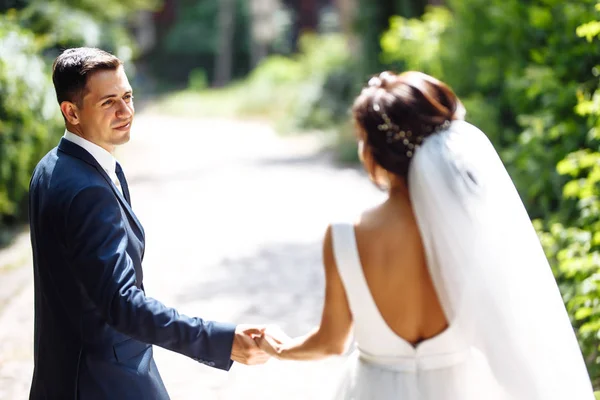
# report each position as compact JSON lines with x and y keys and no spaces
{"x":372,"y":18}
{"x":29,"y":118}
{"x":197,"y":79}
{"x":415,"y":44}
{"x":58,"y":25}
{"x":330,"y":82}
{"x":310,"y":89}
{"x":296,"y":90}
{"x":575,"y":250}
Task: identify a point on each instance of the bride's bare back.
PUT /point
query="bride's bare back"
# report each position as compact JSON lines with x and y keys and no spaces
{"x":393,"y":261}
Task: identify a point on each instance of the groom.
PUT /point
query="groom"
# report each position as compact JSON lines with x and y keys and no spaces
{"x":94,"y":324}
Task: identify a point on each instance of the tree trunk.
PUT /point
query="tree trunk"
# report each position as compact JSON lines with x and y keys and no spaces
{"x":412,"y":8}
{"x":346,"y":11}
{"x":263,"y":28}
{"x":308,"y":16}
{"x":224,"y":59}
{"x":307,"y":19}
{"x":373,"y":19}
{"x":259,"y":51}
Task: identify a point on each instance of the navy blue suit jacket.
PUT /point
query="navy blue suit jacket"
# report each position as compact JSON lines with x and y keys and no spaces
{"x":94,"y":324}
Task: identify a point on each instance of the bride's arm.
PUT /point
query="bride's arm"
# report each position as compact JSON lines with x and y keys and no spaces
{"x":331,"y":336}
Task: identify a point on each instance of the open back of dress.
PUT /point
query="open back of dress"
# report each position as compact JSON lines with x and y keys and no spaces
{"x":385,"y":366}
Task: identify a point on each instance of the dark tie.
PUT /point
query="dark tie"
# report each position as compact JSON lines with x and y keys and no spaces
{"x":123,"y":182}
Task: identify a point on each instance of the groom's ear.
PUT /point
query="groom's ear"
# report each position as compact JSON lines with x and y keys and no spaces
{"x":70,"y":111}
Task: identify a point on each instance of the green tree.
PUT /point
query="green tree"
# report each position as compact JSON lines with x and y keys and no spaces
{"x":573,"y":244}
{"x":372,"y":19}
{"x":60,"y":24}
{"x":192,"y":41}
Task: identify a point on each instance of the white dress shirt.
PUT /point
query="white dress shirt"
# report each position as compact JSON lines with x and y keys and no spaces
{"x":103,"y":157}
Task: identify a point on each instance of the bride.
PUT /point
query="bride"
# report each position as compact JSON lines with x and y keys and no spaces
{"x":445,"y":283}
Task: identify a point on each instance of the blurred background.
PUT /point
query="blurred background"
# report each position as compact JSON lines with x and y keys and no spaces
{"x":528,"y":72}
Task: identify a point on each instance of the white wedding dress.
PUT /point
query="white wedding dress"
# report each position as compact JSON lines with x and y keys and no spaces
{"x":385,"y":366}
{"x":509,"y":335}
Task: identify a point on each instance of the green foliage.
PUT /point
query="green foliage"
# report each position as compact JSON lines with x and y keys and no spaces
{"x":196,"y":30}
{"x":543,"y":96}
{"x":28,"y":114}
{"x":197,"y":80}
{"x":58,"y":25}
{"x":575,"y":251}
{"x":371,"y":21}
{"x":590,"y":29}
{"x":308,"y":90}
{"x":109,"y":10}
{"x":414,"y":44}
{"x":192,"y":41}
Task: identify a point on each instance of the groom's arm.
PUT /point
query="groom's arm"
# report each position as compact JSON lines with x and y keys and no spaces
{"x":97,"y":242}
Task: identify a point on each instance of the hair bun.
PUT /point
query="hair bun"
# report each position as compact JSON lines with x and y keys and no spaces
{"x":385,"y":80}
{"x":375,"y":82}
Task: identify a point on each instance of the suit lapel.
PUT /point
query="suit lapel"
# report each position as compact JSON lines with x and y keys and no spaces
{"x":74,"y":150}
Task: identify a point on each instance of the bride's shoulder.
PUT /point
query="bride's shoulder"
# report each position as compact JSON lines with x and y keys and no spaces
{"x":355,"y":219}
{"x":368,"y":219}
{"x":362,"y":221}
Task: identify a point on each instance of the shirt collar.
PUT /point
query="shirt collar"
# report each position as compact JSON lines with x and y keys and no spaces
{"x":103,"y":157}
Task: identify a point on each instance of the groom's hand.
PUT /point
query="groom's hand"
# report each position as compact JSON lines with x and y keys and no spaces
{"x":245,"y":349}
{"x":273,"y":340}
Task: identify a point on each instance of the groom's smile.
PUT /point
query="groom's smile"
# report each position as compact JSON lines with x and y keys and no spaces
{"x":124,"y":127}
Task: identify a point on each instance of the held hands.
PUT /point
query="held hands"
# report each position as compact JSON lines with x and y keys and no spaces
{"x":272,"y":341}
{"x":244,"y":349}
{"x":254,"y":345}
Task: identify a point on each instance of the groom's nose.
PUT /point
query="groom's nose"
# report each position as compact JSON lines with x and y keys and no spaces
{"x":124,"y":110}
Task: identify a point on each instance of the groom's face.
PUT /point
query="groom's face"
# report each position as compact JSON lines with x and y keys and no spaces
{"x":107,"y":113}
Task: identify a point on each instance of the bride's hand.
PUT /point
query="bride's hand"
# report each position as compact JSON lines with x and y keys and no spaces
{"x":272,"y":340}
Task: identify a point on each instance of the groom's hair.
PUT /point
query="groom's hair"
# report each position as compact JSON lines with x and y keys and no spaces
{"x":72,"y":68}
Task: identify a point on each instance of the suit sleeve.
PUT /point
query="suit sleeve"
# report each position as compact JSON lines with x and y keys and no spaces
{"x":97,"y":243}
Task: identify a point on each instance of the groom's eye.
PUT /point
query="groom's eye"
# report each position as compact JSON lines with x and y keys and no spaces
{"x":107,"y":102}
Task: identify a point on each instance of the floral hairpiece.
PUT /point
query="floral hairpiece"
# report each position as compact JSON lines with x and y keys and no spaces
{"x":395,"y":134}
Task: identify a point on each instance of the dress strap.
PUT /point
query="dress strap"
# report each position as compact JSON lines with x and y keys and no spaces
{"x":348,"y":264}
